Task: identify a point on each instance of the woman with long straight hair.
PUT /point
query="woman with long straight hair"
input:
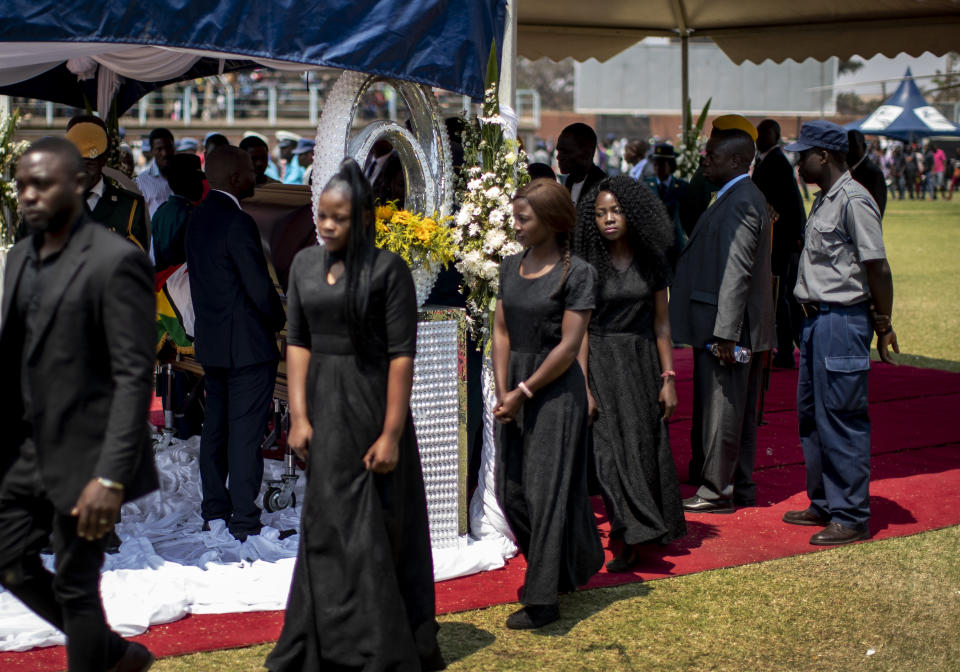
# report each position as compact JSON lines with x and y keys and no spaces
{"x":545,"y":298}
{"x":624,"y":231}
{"x":362,"y":596}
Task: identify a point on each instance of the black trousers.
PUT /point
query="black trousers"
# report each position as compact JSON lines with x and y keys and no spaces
{"x":238,"y":406}
{"x":69,"y":598}
{"x":789,"y":316}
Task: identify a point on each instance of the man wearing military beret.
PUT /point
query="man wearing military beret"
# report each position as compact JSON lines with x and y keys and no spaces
{"x":105,"y":201}
{"x":845,"y":288}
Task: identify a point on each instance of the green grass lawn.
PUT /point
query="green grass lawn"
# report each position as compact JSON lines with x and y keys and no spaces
{"x":889,"y":605}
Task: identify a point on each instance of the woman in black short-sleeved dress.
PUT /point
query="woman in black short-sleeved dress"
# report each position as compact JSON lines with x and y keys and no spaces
{"x":545,"y":299}
{"x":362,"y":596}
{"x":624,"y":232}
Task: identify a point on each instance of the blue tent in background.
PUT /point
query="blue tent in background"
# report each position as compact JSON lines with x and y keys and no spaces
{"x":79,"y":52}
{"x":906,"y":115}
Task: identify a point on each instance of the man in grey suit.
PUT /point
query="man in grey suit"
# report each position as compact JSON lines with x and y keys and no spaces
{"x":722,"y":294}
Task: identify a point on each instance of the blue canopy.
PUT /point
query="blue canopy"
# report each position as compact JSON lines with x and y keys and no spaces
{"x":906,"y":115}
{"x":45,"y":43}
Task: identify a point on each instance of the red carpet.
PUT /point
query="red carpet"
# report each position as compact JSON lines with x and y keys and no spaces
{"x":915,"y":487}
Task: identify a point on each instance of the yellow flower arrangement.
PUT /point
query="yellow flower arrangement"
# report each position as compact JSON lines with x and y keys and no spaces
{"x":415,"y":237}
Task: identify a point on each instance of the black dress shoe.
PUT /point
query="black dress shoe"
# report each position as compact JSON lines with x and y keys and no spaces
{"x":805,"y":517}
{"x":836,"y":534}
{"x":625,"y":560}
{"x":111,"y":543}
{"x":136,"y":658}
{"x":697,"y":504}
{"x":533,"y":616}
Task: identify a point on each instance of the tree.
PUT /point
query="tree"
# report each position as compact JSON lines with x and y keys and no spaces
{"x":849,"y":66}
{"x":946,"y":86}
{"x":553,"y":80}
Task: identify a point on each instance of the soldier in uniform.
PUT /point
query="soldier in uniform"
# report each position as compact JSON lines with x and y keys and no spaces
{"x":105,"y":201}
{"x":845,"y":288}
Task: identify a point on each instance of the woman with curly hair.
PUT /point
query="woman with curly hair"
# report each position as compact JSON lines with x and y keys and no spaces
{"x":543,"y":308}
{"x":624,"y":231}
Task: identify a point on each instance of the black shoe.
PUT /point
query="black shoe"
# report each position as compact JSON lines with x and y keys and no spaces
{"x":136,"y":658}
{"x":112,"y":543}
{"x":533,"y":616}
{"x":744,"y":501}
{"x":805,"y":517}
{"x":697,"y":504}
{"x":243,"y":535}
{"x":836,"y":534}
{"x":625,"y":560}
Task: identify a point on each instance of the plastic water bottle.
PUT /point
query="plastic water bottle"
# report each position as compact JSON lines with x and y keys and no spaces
{"x":741,"y":355}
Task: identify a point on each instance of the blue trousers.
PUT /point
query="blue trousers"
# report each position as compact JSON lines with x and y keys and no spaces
{"x":832,"y":409}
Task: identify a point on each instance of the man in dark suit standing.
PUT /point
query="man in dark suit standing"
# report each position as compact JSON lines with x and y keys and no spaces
{"x":78,"y":359}
{"x":671,"y":190}
{"x":722,"y":294}
{"x":575,"y":149}
{"x":238,"y":313}
{"x":774,"y":176}
{"x":118,"y":209}
{"x":864,"y":171}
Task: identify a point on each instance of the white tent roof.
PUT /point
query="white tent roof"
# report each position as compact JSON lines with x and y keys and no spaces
{"x":751,"y":30}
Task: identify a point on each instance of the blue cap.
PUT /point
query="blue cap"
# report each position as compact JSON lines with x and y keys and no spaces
{"x":304,"y":146}
{"x":820,"y":134}
{"x":187,"y":145}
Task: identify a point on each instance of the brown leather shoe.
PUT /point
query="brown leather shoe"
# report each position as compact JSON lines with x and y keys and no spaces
{"x":137,"y":658}
{"x":805,"y":517}
{"x":836,"y":534}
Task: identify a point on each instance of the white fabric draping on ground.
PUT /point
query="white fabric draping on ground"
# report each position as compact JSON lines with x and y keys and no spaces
{"x":167,"y":568}
{"x":487,"y":521}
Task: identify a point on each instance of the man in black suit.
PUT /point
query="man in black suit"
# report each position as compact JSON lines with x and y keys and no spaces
{"x":238,"y":313}
{"x":864,"y":171}
{"x":78,"y":361}
{"x":575,"y":149}
{"x":118,"y":209}
{"x":773,"y":174}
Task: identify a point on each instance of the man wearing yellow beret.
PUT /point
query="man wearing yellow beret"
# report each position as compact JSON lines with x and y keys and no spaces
{"x":721,"y":296}
{"x":105,"y":200}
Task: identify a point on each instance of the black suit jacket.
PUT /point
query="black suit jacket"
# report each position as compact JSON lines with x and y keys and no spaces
{"x":123,"y":212}
{"x":238,"y":311}
{"x":872,"y":178}
{"x":90,"y":367}
{"x":774,"y":177}
{"x":594,"y":177}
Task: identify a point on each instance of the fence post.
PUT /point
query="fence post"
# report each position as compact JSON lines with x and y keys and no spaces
{"x":48,"y":110}
{"x":314,"y":104}
{"x":230,"y":117}
{"x":187,"y":112}
{"x":142,"y":108}
{"x":272,"y":106}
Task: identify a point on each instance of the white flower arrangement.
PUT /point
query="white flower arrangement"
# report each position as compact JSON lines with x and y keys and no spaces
{"x":494,"y":168}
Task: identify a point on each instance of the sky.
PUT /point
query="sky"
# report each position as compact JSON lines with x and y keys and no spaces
{"x":881,"y":67}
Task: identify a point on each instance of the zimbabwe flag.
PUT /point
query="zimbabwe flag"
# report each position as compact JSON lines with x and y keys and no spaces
{"x":175,"y":317}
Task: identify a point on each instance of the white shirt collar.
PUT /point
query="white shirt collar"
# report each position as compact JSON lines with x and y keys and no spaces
{"x":762,"y":155}
{"x":230,"y":196}
{"x":98,"y":188}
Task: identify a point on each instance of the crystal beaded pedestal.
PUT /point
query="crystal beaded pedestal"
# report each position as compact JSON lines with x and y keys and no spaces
{"x":438,"y":403}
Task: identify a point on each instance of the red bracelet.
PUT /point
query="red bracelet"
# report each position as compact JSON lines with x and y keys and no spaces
{"x":668,"y":374}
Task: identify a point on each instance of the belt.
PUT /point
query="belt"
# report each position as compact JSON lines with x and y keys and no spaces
{"x":810,"y":310}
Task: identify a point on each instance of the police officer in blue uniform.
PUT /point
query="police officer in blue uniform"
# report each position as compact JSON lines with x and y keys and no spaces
{"x":845,"y":288}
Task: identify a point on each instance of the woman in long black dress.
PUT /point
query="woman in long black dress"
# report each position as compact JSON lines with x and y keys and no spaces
{"x":624,"y":231}
{"x":545,"y":299}
{"x":362,"y":596}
